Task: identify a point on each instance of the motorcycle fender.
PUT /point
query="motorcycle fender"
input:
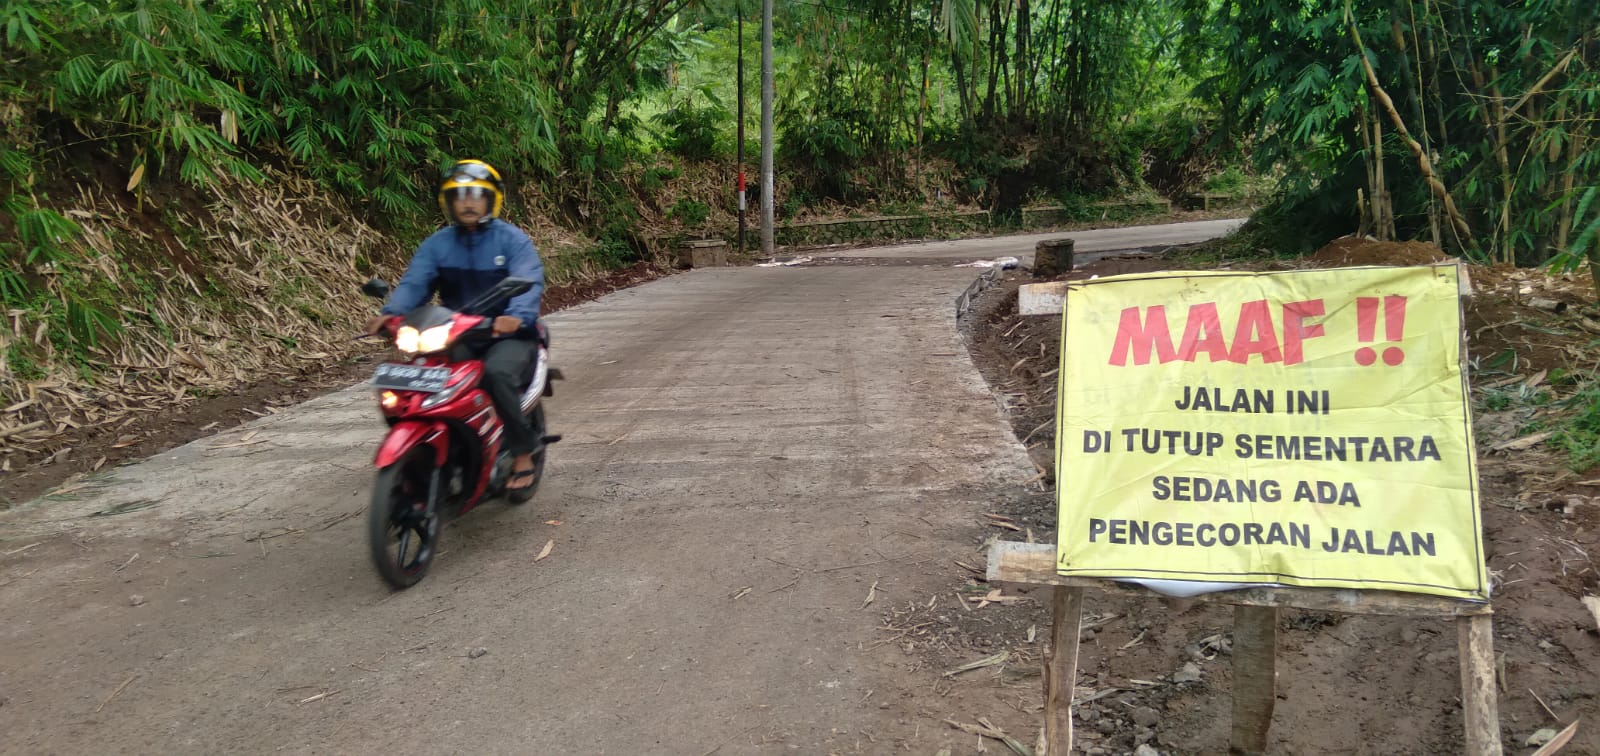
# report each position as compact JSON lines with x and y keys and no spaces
{"x":408,"y":435}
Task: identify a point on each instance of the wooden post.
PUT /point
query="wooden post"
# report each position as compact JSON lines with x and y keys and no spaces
{"x":1479,"y":703}
{"x":1255,"y":642}
{"x":1255,"y":676}
{"x":1061,"y":668}
{"x":1052,"y":257}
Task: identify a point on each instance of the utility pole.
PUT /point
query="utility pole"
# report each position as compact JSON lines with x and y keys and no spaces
{"x":740,"y":5}
{"x":766,"y":128}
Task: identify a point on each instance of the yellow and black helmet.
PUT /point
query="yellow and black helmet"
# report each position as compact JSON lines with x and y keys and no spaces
{"x":470,"y":176}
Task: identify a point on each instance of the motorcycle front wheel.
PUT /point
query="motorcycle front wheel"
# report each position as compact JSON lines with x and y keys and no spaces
{"x":401,"y":533}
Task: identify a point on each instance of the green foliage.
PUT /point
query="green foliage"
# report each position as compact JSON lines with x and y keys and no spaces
{"x":1585,"y":246}
{"x":37,"y":248}
{"x":150,"y":75}
{"x":1579,"y":435}
{"x":825,"y":148}
{"x":653,"y":178}
{"x":1501,"y":98}
{"x":20,"y":359}
{"x":370,"y":96}
{"x":614,"y":252}
{"x":1070,"y":99}
{"x":1290,"y":225}
{"x":691,"y":213}
{"x":796,"y":202}
{"x":1515,"y":395}
{"x":1231,"y":179}
{"x":690,"y":131}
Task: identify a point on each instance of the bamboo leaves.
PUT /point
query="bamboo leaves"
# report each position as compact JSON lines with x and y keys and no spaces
{"x":360,"y":90}
{"x":22,"y":22}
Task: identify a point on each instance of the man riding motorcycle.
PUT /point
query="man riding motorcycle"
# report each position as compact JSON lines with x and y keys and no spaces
{"x":465,"y":259}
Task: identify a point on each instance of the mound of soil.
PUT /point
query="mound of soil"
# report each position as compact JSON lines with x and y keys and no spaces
{"x":1350,"y":251}
{"x":1518,"y":319}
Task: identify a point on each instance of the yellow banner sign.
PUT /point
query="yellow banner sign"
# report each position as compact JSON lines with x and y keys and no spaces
{"x":1306,"y":428}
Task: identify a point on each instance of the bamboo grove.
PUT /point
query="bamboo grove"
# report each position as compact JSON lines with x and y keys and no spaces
{"x":1468,"y":122}
{"x":367,"y":97}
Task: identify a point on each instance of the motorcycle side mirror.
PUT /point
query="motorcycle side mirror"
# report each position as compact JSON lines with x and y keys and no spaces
{"x":376,"y":288}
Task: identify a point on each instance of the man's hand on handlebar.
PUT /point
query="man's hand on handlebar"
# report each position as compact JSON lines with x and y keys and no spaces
{"x":375,"y":325}
{"x":506,"y":325}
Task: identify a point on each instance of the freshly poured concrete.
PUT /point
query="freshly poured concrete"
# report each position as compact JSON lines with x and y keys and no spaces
{"x":750,"y":454}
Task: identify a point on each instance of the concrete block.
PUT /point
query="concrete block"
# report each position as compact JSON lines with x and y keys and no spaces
{"x":1042,"y":298}
{"x":703,"y":253}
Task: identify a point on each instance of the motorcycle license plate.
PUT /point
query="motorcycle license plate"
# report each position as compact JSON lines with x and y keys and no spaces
{"x":391,"y":375}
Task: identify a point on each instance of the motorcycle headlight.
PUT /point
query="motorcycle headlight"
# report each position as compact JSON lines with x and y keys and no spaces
{"x":406,"y":339}
{"x":412,"y":341}
{"x":434,"y":339}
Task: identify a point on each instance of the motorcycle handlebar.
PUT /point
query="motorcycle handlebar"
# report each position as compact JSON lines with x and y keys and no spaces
{"x":483,"y":330}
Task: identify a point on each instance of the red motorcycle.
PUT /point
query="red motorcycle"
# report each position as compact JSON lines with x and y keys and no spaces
{"x":442,"y":455}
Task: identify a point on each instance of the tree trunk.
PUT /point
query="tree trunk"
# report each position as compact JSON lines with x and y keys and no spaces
{"x":1368,"y":200}
{"x":1501,"y":155}
{"x":1574,"y":151}
{"x":996,"y":42}
{"x":1055,"y":35}
{"x":1578,"y":139}
{"x":961,"y":86}
{"x":1384,"y":202}
{"x":1021,"y":75}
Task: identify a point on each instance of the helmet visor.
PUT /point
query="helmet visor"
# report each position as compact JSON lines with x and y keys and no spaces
{"x":465,"y":172}
{"x":465,"y":192}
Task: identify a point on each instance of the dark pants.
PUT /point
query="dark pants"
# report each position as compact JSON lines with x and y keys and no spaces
{"x":506,"y":364}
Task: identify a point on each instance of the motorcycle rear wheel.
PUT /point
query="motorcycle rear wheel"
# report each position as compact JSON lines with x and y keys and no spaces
{"x":402,"y":536}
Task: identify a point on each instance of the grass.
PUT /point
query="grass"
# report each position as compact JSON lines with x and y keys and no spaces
{"x":22,"y":363}
{"x":1579,"y":436}
{"x":1574,"y":419}
{"x":1506,"y":397}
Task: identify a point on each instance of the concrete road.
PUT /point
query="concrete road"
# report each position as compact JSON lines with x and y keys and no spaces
{"x":1021,"y":246}
{"x":757,"y":464}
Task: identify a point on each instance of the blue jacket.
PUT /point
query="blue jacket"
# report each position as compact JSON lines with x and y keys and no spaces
{"x":459,"y":265}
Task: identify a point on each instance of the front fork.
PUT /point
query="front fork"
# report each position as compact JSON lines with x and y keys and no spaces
{"x":407,"y":436}
{"x":434,"y":483}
